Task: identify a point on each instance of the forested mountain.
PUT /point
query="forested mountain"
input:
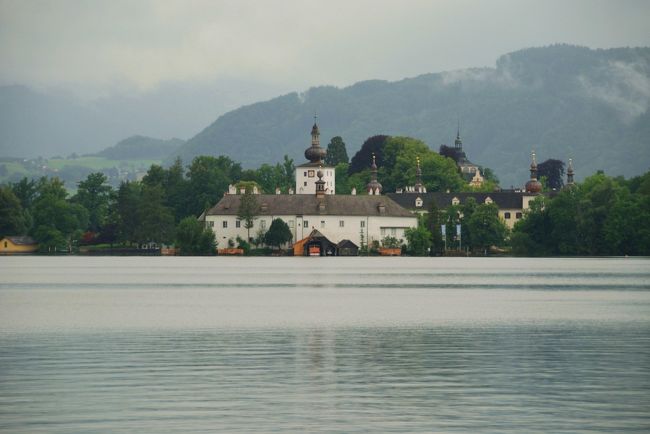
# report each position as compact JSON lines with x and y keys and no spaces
{"x":141,"y":147}
{"x":562,"y":101}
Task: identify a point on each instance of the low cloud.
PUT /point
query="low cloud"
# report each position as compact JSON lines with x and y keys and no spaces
{"x":627,"y":91}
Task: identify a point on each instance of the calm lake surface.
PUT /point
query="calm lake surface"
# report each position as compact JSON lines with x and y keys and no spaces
{"x":417,"y":345}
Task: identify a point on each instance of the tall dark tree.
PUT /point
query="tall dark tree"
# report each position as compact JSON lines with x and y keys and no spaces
{"x":361,"y":160}
{"x":449,"y":152}
{"x":12,"y":215}
{"x":156,"y":221}
{"x":93,"y":194}
{"x":126,"y":209}
{"x":336,"y":152}
{"x":176,"y":190}
{"x":553,"y":171}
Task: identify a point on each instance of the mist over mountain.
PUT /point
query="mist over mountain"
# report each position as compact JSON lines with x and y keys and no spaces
{"x":39,"y":123}
{"x":562,"y":101}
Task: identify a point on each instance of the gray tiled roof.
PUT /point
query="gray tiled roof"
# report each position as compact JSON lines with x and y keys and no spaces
{"x":503,"y":199}
{"x":21,"y":240}
{"x":309,"y":204}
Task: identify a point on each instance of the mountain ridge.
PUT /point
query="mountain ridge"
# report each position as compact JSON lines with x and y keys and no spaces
{"x":563,"y":101}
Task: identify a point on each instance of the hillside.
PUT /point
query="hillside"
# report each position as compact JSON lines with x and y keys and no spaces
{"x":141,"y":147}
{"x":563,"y":101}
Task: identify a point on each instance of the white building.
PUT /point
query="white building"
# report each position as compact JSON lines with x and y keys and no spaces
{"x":338,"y":217}
{"x":360,"y":219}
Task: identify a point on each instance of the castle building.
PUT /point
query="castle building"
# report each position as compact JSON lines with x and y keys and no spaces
{"x":512,"y":204}
{"x":340,"y":220}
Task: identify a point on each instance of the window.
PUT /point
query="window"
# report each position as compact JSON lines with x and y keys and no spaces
{"x":418,"y":202}
{"x":363,"y":223}
{"x":238,"y":223}
{"x":305,"y":223}
{"x":291,"y":224}
{"x":211,"y":224}
{"x":311,"y":174}
{"x":383,"y":232}
{"x":263,"y":224}
{"x":518,"y":215}
{"x":322,"y":224}
{"x":393,"y":231}
{"x":224,"y":224}
{"x":506,"y":215}
{"x":305,"y":183}
{"x":5,"y":244}
{"x":305,"y":173}
{"x":341,"y":224}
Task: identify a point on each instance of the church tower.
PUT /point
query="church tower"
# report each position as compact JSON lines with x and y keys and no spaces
{"x":306,"y":174}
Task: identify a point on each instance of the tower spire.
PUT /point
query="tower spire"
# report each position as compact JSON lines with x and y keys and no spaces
{"x":315,"y":153}
{"x":533,"y":185}
{"x":569,"y":173}
{"x":418,"y":176}
{"x":373,"y":187}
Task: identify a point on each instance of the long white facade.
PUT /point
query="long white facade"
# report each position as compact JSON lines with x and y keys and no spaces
{"x":334,"y":227}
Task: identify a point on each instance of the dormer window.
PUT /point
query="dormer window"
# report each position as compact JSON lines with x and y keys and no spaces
{"x":455,"y":201}
{"x":418,"y":202}
{"x":488,"y":200}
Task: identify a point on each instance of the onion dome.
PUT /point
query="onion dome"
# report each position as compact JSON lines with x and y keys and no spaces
{"x":315,"y":153}
{"x":533,"y":185}
{"x":373,"y":187}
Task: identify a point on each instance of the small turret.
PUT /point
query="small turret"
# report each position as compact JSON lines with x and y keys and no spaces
{"x":533,"y":185}
{"x":320,"y":184}
{"x":569,"y":174}
{"x":418,"y":177}
{"x":373,"y":187}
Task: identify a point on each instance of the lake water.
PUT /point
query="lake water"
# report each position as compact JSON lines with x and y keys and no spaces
{"x":417,"y":345}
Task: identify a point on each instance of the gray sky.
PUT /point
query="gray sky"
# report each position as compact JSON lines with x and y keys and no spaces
{"x":99,"y":47}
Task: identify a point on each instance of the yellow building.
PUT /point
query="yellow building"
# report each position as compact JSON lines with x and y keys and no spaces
{"x":17,"y":244}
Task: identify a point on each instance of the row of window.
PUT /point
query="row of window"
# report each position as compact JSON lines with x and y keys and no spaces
{"x":312,"y":173}
{"x":384,"y":231}
{"x":305,"y":224}
{"x":508,"y":216}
